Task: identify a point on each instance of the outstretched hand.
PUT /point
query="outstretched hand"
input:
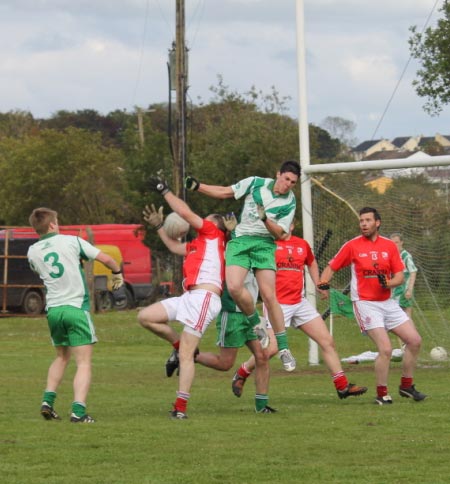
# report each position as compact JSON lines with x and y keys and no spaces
{"x":191,"y":183}
{"x":158,"y":184}
{"x":230,"y":221}
{"x":154,"y":217}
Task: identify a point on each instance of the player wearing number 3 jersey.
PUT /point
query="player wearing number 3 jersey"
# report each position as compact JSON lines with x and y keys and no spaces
{"x":56,"y":258}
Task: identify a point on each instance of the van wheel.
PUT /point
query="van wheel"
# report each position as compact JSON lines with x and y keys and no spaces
{"x":127,"y":303}
{"x":33,"y":302}
{"x":104,"y":301}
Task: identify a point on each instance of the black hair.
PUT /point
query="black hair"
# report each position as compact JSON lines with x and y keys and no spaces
{"x":290,"y":166}
{"x":370,"y":210}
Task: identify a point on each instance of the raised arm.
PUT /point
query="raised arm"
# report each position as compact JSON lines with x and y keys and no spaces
{"x":175,"y":246}
{"x":159,"y":185}
{"x":155,"y":219}
{"x":183,"y":210}
{"x":213,"y":191}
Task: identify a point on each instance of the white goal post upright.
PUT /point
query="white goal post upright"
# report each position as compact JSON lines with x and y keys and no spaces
{"x":308,"y":235}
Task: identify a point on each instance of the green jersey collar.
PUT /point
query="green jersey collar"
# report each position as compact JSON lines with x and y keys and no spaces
{"x":47,"y":236}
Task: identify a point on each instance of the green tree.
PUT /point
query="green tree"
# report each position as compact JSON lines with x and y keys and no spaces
{"x":432,"y":49}
{"x":341,"y":129}
{"x":322,"y":146}
{"x":17,"y":124}
{"x":232,"y":139}
{"x":70,"y":171}
{"x":111,"y":126}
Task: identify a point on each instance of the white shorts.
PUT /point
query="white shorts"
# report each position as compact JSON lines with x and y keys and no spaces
{"x":296,"y":314}
{"x":379,"y":314}
{"x":194,"y":309}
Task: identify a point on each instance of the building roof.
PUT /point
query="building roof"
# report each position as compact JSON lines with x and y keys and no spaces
{"x":400,"y":141}
{"x":426,"y":139}
{"x":388,"y":155}
{"x":365,"y":145}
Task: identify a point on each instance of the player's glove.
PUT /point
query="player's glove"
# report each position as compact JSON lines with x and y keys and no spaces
{"x":119,"y":295}
{"x":117,"y":280}
{"x":191,"y":183}
{"x":154,"y":217}
{"x":382,"y":279}
{"x":158,"y":184}
{"x":323,"y":285}
{"x":261,"y":212}
{"x":230,"y":221}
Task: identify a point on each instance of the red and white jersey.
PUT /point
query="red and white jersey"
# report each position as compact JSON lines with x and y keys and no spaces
{"x":367,"y":259}
{"x":291,"y":256}
{"x":204,"y":261}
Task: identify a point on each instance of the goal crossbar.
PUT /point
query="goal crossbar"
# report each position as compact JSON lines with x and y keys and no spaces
{"x":423,"y":162}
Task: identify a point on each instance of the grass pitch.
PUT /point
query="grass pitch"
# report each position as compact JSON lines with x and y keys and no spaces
{"x":314,"y":437}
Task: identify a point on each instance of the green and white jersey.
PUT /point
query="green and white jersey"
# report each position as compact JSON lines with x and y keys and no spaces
{"x":57,"y":260}
{"x":409,"y":267}
{"x":279,"y":208}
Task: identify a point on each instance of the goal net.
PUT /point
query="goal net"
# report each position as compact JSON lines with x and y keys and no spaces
{"x":412,"y":202}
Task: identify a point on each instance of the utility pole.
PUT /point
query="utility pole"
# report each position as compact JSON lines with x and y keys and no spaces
{"x":179,"y":166}
{"x":141,"y":127}
{"x":179,"y":150}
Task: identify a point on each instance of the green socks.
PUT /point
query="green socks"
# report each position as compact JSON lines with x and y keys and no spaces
{"x":282,"y":341}
{"x":49,"y":397}
{"x":261,"y":402}
{"x":78,"y":408}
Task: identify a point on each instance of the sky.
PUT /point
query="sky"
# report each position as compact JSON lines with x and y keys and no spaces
{"x":112,"y":54}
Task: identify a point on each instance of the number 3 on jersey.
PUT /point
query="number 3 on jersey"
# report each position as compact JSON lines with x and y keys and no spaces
{"x":57,"y":268}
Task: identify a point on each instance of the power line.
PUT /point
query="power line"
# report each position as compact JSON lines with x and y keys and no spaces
{"x":141,"y":55}
{"x":402,"y":75}
{"x":198,"y":11}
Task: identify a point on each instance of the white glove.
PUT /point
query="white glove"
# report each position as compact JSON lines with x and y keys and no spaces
{"x":154,"y":217}
{"x":230,"y":221}
{"x":261,"y":212}
{"x":117,"y":280}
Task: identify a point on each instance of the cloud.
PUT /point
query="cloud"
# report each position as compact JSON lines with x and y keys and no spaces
{"x":112,"y":54}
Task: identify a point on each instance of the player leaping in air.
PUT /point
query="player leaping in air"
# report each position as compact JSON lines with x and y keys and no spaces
{"x":269,"y":208}
{"x":203,"y":271}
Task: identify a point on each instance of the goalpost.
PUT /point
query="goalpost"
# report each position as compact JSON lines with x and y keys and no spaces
{"x":416,"y":205}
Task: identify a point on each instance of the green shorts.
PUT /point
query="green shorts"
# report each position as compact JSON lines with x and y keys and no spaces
{"x":398,"y":294}
{"x":405,"y":303}
{"x":251,"y":252}
{"x":233,"y":330}
{"x":70,"y":326}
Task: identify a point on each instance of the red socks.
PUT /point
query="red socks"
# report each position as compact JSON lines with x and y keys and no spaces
{"x":381,"y":390}
{"x":406,"y":382}
{"x":243,"y":372}
{"x":340,"y":380}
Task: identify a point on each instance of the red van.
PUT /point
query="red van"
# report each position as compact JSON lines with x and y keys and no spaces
{"x":28,"y":293}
